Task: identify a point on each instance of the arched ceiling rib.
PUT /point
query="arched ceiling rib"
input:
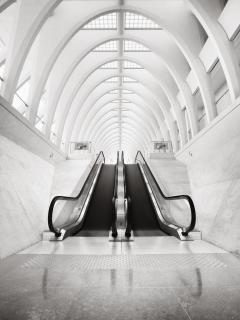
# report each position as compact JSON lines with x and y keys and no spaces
{"x":170,"y":89}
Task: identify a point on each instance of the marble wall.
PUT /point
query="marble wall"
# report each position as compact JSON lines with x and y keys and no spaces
{"x":25,"y":185}
{"x":213,"y":161}
{"x":69,"y":177}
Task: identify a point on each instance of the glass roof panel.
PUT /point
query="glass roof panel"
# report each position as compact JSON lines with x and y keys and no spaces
{"x":110,"y":46}
{"x":113,"y":79}
{"x":107,"y":21}
{"x":2,"y":70}
{"x":1,"y":74}
{"x":115,"y":91}
{"x":131,"y":65}
{"x":132,"y":46}
{"x":110,"y":65}
{"x":128,"y":79}
{"x":126,"y":91}
{"x":136,"y":21}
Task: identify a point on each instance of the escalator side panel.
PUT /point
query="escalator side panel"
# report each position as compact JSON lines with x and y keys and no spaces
{"x":143,"y":217}
{"x":99,"y":214}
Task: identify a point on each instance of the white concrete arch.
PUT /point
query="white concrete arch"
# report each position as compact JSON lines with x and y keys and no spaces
{"x":140,"y":13}
{"x":153,"y":101}
{"x":135,"y":100}
{"x":153,"y":106}
{"x":183,"y":87}
{"x":134,"y":123}
{"x":224,"y":47}
{"x":102,"y":111}
{"x":84,"y":116}
{"x":129,"y":145}
{"x":131,"y":109}
{"x":166,"y":104}
{"x":128,"y":142}
{"x":127,"y":135}
{"x":185,"y":41}
{"x":133,"y":131}
{"x":133,"y":127}
{"x":27,"y":30}
{"x":166,"y":91}
{"x":4,"y":4}
{"x":77,"y":88}
{"x":132,"y":116}
{"x":158,"y":99}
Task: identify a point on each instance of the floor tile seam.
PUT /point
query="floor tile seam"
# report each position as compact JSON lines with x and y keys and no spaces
{"x":183,"y":253}
{"x":136,"y":269}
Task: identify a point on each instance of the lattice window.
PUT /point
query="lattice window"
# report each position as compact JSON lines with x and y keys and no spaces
{"x":136,"y":21}
{"x":112,"y":79}
{"x":128,"y":79}
{"x":104,"y":22}
{"x":126,"y":91}
{"x":40,"y":122}
{"x":110,"y":65}
{"x":115,"y":91}
{"x":131,"y":65}
{"x":110,"y":46}
{"x":20,"y":100}
{"x":132,"y":46}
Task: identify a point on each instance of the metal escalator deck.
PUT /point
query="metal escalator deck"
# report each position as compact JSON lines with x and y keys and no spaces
{"x":99,"y":214}
{"x":143,"y":218}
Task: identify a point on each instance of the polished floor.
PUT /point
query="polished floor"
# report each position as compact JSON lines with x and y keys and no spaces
{"x":91,"y":278}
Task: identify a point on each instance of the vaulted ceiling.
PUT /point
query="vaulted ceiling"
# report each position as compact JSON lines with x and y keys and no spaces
{"x":119,"y":73}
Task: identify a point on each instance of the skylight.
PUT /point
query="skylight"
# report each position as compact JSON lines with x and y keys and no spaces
{"x":53,"y":135}
{"x":1,"y":74}
{"x":21,"y":97}
{"x":132,"y":46}
{"x":126,"y":91}
{"x":107,"y":21}
{"x":2,"y":71}
{"x":136,"y":21}
{"x":40,"y":119}
{"x":131,"y":65}
{"x":115,"y":91}
{"x":110,"y":65}
{"x":128,"y":79}
{"x":40,"y":123}
{"x":110,"y":46}
{"x":121,"y":100}
{"x":113,"y":79}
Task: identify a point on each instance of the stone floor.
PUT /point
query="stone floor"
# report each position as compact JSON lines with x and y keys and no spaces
{"x":151,"y":278}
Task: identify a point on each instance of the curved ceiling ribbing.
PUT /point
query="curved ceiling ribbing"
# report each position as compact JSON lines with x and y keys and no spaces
{"x":160,"y":99}
{"x":75,"y":86}
{"x":131,"y":111}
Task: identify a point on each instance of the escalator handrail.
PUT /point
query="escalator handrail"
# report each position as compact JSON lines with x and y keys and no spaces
{"x":57,"y":231}
{"x":114,"y":199}
{"x":115,"y":195}
{"x":124,"y":177}
{"x":177,"y":197}
{"x":127,"y":199}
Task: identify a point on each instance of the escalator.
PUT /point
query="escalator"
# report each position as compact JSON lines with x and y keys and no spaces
{"x":143,"y":217}
{"x":92,"y":211}
{"x":99,"y":213}
{"x":149,"y":211}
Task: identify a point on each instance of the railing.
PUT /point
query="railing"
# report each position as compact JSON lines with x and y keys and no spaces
{"x":127,"y":201}
{"x":155,"y":188}
{"x":84,"y":197}
{"x":114,"y":199}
